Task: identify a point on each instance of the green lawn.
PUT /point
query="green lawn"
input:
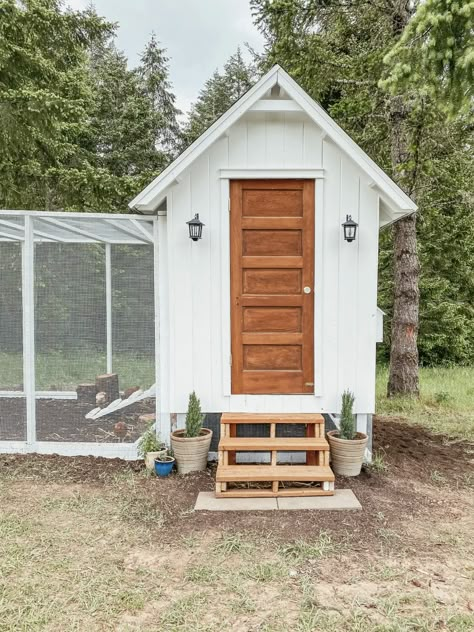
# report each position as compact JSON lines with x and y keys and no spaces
{"x":446,"y":403}
{"x":64,"y":371}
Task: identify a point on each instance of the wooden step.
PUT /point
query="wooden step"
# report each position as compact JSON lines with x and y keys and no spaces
{"x":265,"y":473}
{"x":268,"y":493}
{"x":267,"y":444}
{"x":265,"y":418}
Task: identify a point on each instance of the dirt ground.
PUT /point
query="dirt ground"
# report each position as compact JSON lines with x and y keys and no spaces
{"x":97,"y":544}
{"x":64,"y":420}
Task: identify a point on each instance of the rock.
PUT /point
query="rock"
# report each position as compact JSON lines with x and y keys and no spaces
{"x":129,"y":391}
{"x":121,"y":429}
{"x":101,"y":399}
{"x":147,"y":418}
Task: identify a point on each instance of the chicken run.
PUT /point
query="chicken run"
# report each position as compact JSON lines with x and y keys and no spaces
{"x":77,"y":332}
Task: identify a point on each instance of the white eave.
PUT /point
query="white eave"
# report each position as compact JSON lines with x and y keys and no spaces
{"x":394,"y":201}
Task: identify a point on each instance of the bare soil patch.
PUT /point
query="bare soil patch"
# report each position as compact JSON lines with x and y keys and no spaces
{"x":423,"y":474}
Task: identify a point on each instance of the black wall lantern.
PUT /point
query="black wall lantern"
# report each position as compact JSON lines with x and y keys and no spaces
{"x":195,"y":228}
{"x":350,"y":229}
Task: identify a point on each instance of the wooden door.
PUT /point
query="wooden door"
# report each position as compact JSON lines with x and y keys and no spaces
{"x":272,"y":285}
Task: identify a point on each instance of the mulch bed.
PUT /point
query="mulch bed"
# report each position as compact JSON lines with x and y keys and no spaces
{"x":391,"y":500}
{"x":413,"y":447}
{"x":64,"y":420}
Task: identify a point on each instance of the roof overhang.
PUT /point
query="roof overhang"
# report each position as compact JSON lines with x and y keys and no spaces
{"x":74,"y":228}
{"x":395,"y":202}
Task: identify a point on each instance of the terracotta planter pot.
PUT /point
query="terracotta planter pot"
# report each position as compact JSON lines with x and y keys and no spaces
{"x":191,"y":453}
{"x":347,"y":455}
{"x":150,"y":459}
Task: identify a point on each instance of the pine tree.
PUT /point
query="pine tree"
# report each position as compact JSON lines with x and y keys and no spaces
{"x":45,"y":98}
{"x":122,"y":139}
{"x":336,"y":51}
{"x":436,"y":52}
{"x":218,"y":94}
{"x":153,"y":71}
{"x":123,"y":122}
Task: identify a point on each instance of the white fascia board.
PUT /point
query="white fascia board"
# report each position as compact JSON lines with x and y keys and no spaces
{"x":399,"y":199}
{"x":154,"y":193}
{"x":395,"y":218}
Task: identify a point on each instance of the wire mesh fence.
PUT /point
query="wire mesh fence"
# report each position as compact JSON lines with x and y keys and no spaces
{"x":12,"y":407}
{"x":70,"y":319}
{"x":92,"y":318}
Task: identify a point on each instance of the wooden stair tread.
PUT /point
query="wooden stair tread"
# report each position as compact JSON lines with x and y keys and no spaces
{"x":286,"y":444}
{"x":270,"y":418}
{"x":268,"y":493}
{"x":256,"y":473}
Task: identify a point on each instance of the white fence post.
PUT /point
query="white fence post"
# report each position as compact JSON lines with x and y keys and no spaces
{"x":156,"y":295}
{"x":28,"y":301}
{"x":108,"y":304}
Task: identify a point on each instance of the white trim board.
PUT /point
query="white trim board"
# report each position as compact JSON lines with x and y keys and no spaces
{"x":271,"y":174}
{"x":275,"y":105}
{"x":41,"y":394}
{"x":126,"y":451}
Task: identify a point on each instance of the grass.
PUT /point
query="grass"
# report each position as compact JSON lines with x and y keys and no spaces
{"x":378,"y":463}
{"x":94,"y":557}
{"x":302,"y":550}
{"x":446,"y":403}
{"x":64,"y":371}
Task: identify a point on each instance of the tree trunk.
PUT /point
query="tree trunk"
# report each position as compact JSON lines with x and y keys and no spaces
{"x":108,"y":384}
{"x":403,"y":377}
{"x":86,"y":393}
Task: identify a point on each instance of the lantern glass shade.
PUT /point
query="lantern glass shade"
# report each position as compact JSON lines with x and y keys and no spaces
{"x":350,"y":229}
{"x":195,"y":228}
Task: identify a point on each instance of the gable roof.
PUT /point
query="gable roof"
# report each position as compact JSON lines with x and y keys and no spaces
{"x":395,"y":201}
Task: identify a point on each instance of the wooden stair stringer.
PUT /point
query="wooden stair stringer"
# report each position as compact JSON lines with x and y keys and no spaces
{"x":277,"y":477}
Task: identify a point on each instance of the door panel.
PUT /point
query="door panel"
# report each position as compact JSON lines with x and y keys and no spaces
{"x":285,"y":202}
{"x":272,"y":261}
{"x":270,"y":243}
{"x":272,"y":357}
{"x":272,"y":282}
{"x":271,"y":319}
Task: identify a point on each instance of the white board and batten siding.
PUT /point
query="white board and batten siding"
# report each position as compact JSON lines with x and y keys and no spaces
{"x":196,"y":349}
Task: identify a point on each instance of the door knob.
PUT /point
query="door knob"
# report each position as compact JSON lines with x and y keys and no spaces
{"x":307,"y":289}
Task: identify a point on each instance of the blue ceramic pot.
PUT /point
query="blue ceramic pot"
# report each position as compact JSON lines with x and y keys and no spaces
{"x":164,"y":467}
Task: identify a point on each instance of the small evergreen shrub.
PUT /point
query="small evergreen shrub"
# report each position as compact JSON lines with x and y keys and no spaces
{"x":347,"y":428}
{"x":194,"y":417}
